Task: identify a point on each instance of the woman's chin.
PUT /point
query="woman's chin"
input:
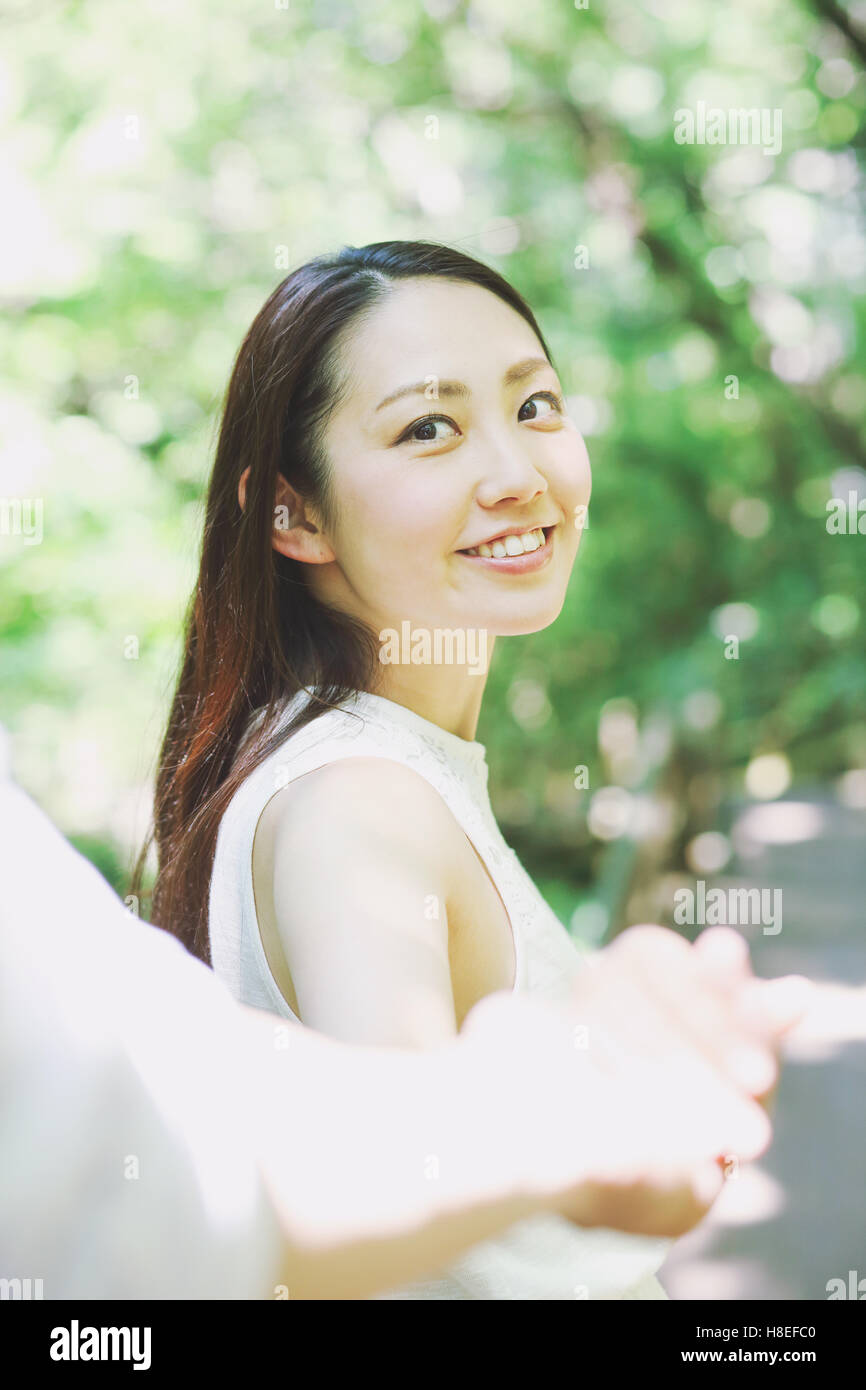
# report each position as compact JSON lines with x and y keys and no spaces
{"x":520,"y":620}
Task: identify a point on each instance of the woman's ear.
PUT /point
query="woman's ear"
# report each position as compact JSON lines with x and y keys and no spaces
{"x":293,"y":534}
{"x":242,"y":489}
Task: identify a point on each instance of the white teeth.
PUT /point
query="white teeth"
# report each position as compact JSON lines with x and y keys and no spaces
{"x":525,"y":543}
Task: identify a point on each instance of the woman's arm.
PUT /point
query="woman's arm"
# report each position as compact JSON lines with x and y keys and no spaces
{"x":362,"y":874}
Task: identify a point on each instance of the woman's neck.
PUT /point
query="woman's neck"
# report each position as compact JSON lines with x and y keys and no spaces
{"x":445,"y":695}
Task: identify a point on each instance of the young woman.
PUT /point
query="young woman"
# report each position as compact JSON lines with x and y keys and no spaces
{"x":396,"y":474}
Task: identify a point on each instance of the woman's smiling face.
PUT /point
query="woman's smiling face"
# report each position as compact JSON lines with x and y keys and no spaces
{"x":417,"y":479}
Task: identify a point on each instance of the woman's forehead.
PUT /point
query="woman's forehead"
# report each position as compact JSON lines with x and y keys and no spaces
{"x":430,"y":330}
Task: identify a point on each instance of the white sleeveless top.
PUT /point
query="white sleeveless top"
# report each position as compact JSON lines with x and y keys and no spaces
{"x":542,"y":1257}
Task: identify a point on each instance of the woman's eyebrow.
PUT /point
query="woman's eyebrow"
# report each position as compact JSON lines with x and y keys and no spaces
{"x":524,"y":368}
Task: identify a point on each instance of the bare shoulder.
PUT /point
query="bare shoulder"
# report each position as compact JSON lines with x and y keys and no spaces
{"x":376,"y":798}
{"x":358,"y":871}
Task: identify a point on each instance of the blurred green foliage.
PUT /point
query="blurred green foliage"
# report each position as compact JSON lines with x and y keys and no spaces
{"x":164,"y":167}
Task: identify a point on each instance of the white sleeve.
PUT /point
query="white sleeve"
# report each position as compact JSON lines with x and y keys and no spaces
{"x":125,"y":1164}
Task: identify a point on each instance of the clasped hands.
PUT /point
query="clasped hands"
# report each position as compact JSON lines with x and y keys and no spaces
{"x":660,"y":1073}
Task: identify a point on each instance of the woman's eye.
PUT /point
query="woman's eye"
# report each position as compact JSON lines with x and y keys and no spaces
{"x":412,"y":434}
{"x":550,"y":397}
{"x":428,"y":423}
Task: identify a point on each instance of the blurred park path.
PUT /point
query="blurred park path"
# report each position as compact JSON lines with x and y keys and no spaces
{"x":787,"y":1224}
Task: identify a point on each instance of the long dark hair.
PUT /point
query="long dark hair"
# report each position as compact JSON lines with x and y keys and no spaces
{"x":255,"y":635}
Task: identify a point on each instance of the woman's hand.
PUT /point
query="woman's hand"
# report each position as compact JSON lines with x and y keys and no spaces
{"x":651,"y":1081}
{"x":774,"y":1007}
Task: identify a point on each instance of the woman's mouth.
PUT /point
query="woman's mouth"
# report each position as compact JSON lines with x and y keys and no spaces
{"x":535,"y":550}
